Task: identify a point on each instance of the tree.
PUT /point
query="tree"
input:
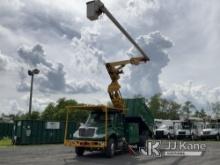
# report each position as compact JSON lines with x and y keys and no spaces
{"x":202,"y":113}
{"x":173,"y":110}
{"x":154,"y":105}
{"x":58,"y":111}
{"x":187,"y":109}
{"x":48,"y":112}
{"x":216,"y":109}
{"x":196,"y":113}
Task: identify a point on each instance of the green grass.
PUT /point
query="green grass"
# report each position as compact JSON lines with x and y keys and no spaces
{"x":5,"y":142}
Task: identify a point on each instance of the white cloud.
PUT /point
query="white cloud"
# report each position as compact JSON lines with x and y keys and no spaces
{"x":3,"y":62}
{"x":81,"y":47}
{"x":200,"y":95}
{"x":144,"y":78}
{"x":52,"y":76}
{"x":86,"y":56}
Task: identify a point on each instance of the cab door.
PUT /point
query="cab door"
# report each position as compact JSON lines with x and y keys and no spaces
{"x":120,"y":125}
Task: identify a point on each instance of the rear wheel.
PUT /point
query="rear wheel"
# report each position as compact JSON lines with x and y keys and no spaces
{"x":79,"y":151}
{"x":110,"y":150}
{"x":217,"y":137}
{"x":168,"y":136}
{"x":142,"y":139}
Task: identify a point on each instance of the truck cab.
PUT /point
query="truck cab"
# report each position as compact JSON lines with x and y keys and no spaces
{"x":190,"y":128}
{"x":165,"y":130}
{"x":211,"y":131}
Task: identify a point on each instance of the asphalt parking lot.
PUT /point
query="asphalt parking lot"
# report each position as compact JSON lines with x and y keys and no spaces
{"x":60,"y":155}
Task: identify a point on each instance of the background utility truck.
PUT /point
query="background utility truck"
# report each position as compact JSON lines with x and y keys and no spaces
{"x":211,"y":130}
{"x":113,"y":128}
{"x":189,"y":128}
{"x":165,"y":129}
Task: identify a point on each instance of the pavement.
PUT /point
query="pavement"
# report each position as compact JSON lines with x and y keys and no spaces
{"x":61,"y":155}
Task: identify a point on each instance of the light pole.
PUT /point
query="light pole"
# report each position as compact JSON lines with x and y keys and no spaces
{"x":32,"y":73}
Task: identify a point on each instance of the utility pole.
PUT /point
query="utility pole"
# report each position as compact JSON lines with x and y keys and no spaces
{"x":32,"y":73}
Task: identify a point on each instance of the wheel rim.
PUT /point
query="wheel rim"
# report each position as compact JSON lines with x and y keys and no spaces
{"x":112,"y":149}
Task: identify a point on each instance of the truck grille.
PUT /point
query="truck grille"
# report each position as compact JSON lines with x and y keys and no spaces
{"x":86,"y":132}
{"x":206,"y":132}
{"x":182,"y":132}
{"x":159,"y":133}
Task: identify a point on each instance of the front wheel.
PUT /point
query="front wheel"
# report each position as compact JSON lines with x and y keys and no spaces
{"x":193,"y":137}
{"x":79,"y":151}
{"x":110,"y":149}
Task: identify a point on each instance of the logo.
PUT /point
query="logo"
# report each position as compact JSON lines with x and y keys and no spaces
{"x":151,"y":149}
{"x":158,"y":148}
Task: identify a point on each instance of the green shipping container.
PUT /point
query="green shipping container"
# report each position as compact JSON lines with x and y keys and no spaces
{"x":6,"y":130}
{"x":41,"y":132}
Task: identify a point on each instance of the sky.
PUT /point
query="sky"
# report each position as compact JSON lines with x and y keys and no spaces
{"x":180,"y":37}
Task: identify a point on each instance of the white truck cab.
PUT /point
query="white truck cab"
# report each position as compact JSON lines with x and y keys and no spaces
{"x":211,"y":131}
{"x":165,"y":129}
{"x":189,"y":128}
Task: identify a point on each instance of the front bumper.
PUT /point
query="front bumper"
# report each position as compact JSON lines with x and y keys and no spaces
{"x":160,"y":134}
{"x":208,"y":136}
{"x":85,"y":143}
{"x":182,"y":136}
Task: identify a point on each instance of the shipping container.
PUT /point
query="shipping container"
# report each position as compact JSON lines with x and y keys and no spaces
{"x":6,"y":130}
{"x":41,"y":132}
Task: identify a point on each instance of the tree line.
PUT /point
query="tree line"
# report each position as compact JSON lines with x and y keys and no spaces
{"x":160,"y":107}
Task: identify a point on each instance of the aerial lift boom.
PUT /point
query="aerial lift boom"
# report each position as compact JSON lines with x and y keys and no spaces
{"x":94,"y":10}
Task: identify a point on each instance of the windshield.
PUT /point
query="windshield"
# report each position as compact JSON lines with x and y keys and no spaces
{"x":212,"y":126}
{"x":184,"y":126}
{"x":96,"y":118}
{"x":163,"y":126}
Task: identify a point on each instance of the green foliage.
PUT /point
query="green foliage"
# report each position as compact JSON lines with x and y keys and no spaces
{"x":154,"y":105}
{"x":162,"y":108}
{"x":200,"y":114}
{"x":216,"y":109}
{"x":57,"y":112}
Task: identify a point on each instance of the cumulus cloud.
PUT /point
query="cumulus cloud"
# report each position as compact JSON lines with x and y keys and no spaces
{"x":23,"y":85}
{"x":144,"y":78}
{"x":140,"y":7}
{"x":87,"y":56}
{"x":84,"y":87}
{"x":34,"y":56}
{"x":7,"y":63}
{"x":200,"y":95}
{"x":3,"y":62}
{"x":52,"y":77}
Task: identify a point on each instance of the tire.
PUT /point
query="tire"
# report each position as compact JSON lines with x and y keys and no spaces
{"x":168,"y":136}
{"x":110,"y":149}
{"x":217,"y":137}
{"x":192,"y":137}
{"x":79,"y":151}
